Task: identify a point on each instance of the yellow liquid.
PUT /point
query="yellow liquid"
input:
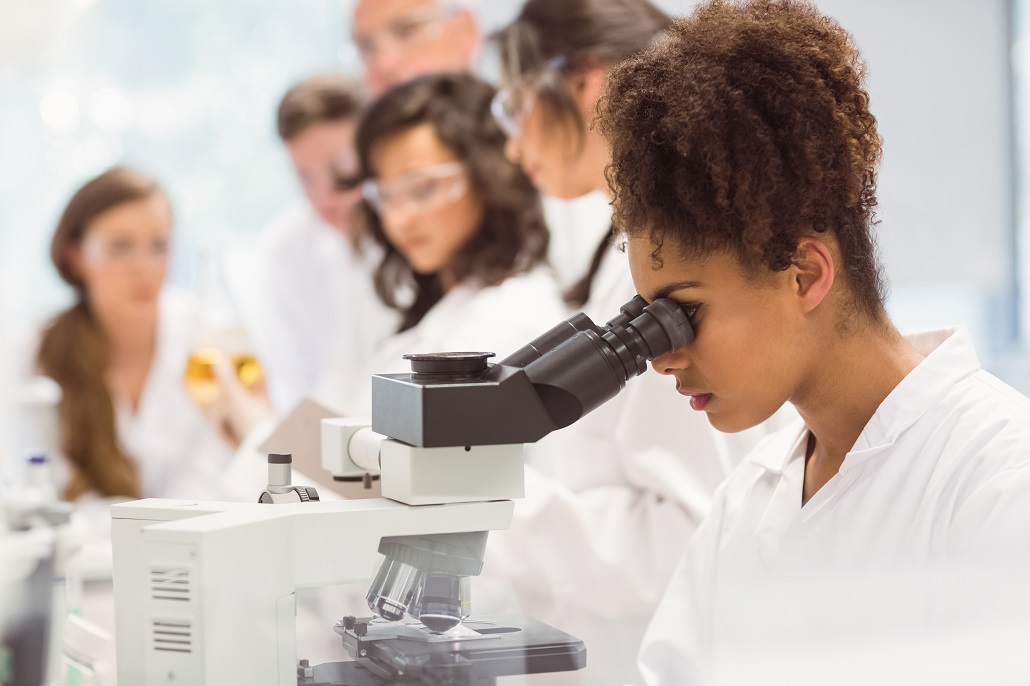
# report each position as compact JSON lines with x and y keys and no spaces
{"x":202,"y":382}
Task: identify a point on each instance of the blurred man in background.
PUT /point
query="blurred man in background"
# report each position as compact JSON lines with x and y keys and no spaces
{"x":309,"y":287}
{"x":401,"y":39}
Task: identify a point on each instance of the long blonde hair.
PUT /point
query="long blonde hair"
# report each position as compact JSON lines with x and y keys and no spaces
{"x":75,"y":353}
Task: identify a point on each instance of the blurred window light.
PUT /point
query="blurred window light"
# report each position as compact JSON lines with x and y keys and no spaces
{"x":185,"y":90}
{"x":59,"y":109}
{"x":110,"y":109}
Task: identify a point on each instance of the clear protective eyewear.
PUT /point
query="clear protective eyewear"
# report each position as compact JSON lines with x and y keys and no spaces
{"x":511,"y":104}
{"x":420,"y":190}
{"x":341,"y":168}
{"x":121,"y":252}
{"x":408,"y":32}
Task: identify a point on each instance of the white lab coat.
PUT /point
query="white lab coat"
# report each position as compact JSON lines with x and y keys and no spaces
{"x":178,"y":452}
{"x":498,"y":319}
{"x":577,"y":225}
{"x":611,"y":501}
{"x":941,"y":470}
{"x":305,"y":292}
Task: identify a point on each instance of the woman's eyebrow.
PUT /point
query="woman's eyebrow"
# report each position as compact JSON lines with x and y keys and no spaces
{"x":664,"y":291}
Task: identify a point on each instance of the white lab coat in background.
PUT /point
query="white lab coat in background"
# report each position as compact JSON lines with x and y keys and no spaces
{"x":178,"y":452}
{"x":498,"y":319}
{"x":577,"y":226}
{"x":940,"y":475}
{"x":611,"y":502}
{"x":304,"y":292}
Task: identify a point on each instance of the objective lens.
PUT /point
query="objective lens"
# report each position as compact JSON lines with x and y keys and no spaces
{"x":441,"y":602}
{"x":392,"y":590}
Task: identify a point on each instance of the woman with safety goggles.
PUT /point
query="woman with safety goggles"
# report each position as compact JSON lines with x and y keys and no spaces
{"x":460,"y":227}
{"x":126,"y":426}
{"x":613,"y":497}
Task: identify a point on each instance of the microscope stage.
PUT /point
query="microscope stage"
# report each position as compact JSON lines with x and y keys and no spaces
{"x":477,"y":652}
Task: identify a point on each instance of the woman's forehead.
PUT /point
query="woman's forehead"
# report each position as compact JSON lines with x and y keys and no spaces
{"x":659,"y":271}
{"x":134,"y":218}
{"x":408,"y":150}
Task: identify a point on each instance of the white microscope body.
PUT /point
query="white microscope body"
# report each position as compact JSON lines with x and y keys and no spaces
{"x":204,"y":592}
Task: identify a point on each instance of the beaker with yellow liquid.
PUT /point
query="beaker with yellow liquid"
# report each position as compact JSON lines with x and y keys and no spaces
{"x":219,"y":335}
{"x":202,"y":381}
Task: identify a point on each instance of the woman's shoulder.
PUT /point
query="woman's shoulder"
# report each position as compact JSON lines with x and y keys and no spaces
{"x":537,"y":287}
{"x":499,"y":318}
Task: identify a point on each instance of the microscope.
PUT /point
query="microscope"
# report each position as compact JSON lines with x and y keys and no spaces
{"x":204,"y":592}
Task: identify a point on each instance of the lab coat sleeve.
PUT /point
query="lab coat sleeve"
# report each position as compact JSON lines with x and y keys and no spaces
{"x":676,"y":649}
{"x":995,"y":518}
{"x":619,"y":538}
{"x":608,"y":548}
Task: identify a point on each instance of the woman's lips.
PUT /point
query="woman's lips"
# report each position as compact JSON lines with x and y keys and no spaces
{"x":412,"y":245}
{"x":698,"y":401}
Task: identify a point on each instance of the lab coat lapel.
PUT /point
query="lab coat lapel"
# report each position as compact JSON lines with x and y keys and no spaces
{"x":785,"y":471}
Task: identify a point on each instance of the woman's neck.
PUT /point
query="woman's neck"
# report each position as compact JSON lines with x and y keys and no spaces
{"x":447,"y":280}
{"x":853,"y":377}
{"x":131,"y":339}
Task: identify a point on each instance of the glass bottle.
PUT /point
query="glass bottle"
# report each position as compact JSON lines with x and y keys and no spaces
{"x":218,"y":334}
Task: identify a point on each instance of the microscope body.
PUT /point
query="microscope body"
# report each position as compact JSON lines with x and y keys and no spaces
{"x":205,"y":591}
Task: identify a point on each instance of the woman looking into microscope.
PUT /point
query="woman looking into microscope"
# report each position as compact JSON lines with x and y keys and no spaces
{"x":612,"y":498}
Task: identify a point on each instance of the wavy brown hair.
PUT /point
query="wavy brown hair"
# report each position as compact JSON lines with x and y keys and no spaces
{"x":74,"y":351}
{"x":745,"y":130}
{"x":512,"y":238}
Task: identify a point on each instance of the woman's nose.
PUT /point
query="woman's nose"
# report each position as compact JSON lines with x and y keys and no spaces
{"x":669,"y":362}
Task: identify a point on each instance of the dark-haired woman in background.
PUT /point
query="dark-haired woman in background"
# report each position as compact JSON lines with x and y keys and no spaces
{"x":128,"y":428}
{"x":460,"y":226}
{"x":612,"y":497}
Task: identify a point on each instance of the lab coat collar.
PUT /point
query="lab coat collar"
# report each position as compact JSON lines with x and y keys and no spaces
{"x":949,"y":357}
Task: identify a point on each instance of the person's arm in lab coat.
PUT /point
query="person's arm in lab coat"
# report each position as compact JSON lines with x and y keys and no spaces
{"x":612,"y":546}
{"x":676,"y":649}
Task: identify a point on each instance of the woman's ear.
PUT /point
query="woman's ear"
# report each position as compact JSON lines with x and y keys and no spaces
{"x":813,"y":272}
{"x":74,"y":262}
{"x":587,"y":88}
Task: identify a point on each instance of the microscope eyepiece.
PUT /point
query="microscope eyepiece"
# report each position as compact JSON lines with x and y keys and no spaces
{"x":547,"y":384}
{"x":592,"y":366}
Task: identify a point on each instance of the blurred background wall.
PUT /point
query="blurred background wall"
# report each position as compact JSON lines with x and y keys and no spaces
{"x":187,"y":89}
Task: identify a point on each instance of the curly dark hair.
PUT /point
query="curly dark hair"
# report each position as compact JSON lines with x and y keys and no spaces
{"x":744,"y":130}
{"x":513,"y":236}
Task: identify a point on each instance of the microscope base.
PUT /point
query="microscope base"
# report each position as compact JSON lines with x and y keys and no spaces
{"x":390,"y":654}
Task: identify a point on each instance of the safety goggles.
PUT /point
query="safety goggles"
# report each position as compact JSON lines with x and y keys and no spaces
{"x":512,"y":104}
{"x":420,"y":190}
{"x":122,"y":253}
{"x":407,"y":33}
{"x":333,"y":177}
